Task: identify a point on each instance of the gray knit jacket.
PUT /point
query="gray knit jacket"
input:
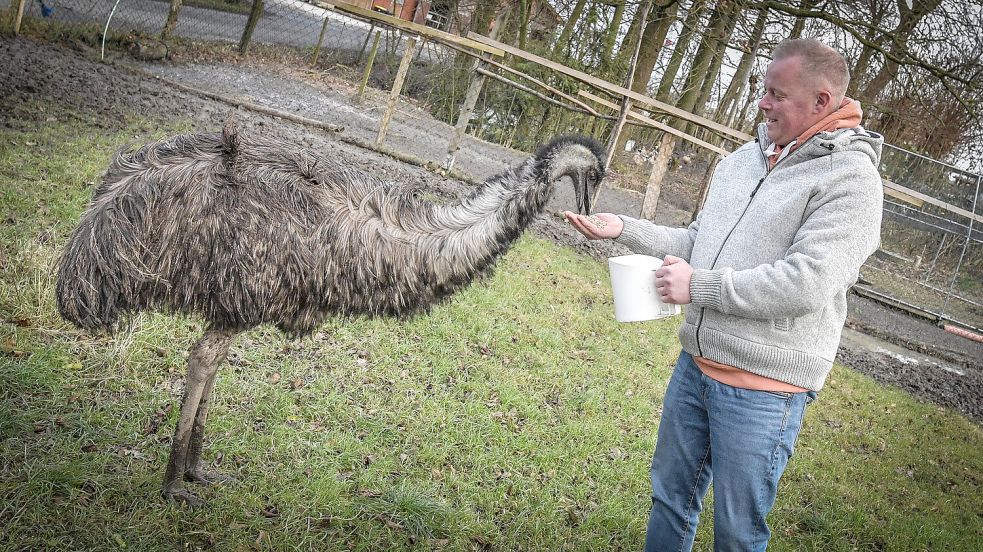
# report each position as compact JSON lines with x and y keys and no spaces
{"x":775,"y":253}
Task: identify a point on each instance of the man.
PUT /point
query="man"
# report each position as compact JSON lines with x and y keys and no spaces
{"x":765,"y":269}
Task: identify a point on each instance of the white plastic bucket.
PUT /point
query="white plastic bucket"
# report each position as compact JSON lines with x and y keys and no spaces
{"x":633,"y":284}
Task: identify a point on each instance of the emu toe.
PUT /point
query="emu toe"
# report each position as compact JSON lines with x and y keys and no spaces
{"x":183,"y":497}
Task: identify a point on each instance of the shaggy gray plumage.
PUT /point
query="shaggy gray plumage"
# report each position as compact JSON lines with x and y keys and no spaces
{"x":246,"y":230}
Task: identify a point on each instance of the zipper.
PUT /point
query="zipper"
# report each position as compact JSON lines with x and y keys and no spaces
{"x":699,"y":322}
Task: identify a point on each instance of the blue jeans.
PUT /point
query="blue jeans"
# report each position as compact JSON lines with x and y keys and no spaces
{"x":738,"y":438}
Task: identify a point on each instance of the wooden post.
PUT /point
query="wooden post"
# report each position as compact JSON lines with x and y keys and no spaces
{"x":368,"y":68}
{"x":247,"y":34}
{"x":171,"y":22}
{"x":320,"y":40}
{"x":660,"y":165}
{"x":404,"y":67}
{"x":19,"y":15}
{"x":365,"y":43}
{"x":467,"y":108}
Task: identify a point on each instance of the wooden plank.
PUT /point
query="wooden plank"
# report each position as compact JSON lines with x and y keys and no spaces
{"x":661,"y":126}
{"x":899,"y":195}
{"x":409,"y":26}
{"x":932,"y":201}
{"x":615,"y":89}
{"x":397,"y":89}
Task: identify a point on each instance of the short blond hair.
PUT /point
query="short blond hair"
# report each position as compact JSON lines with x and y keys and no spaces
{"x":819,"y":61}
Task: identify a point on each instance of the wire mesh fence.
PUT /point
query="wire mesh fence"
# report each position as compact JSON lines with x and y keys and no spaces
{"x":932,"y":238}
{"x":931,"y":259}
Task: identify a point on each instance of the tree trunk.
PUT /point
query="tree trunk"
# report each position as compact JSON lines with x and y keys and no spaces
{"x":690,"y":26}
{"x":627,"y":47}
{"x":860,"y":68}
{"x":719,"y":48}
{"x":704,"y":58}
{"x":800,"y":22}
{"x":728,"y":104}
{"x":656,"y":29}
{"x":524,"y":6}
{"x":247,"y":34}
{"x":607,"y":49}
{"x":898,"y":44}
{"x":171,"y":22}
{"x":562,"y":43}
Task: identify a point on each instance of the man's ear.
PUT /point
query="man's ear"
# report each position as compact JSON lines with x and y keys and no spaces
{"x":823,"y":99}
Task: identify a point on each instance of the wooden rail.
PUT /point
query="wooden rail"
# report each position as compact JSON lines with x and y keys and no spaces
{"x":727,"y":132}
{"x":653,"y":123}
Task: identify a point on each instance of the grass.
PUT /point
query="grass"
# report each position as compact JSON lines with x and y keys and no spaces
{"x":518,"y":416}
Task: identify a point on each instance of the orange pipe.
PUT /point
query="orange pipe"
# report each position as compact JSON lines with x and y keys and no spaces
{"x":963,"y":333}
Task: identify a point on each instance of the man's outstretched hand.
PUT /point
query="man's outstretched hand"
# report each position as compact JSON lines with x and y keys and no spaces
{"x":673,"y":279}
{"x":600,"y":226}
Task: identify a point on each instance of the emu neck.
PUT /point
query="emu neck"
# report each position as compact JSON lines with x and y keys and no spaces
{"x":486,"y":224}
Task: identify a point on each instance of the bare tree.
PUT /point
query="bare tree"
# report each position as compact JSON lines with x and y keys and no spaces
{"x":691,"y":25}
{"x":727,"y":109}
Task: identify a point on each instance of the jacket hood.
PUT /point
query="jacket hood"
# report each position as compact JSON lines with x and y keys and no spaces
{"x":824,"y":143}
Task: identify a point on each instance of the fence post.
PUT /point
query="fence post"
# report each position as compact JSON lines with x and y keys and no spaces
{"x":171,"y":22}
{"x":247,"y":34}
{"x":404,"y":67}
{"x":467,"y":108}
{"x":969,"y":236}
{"x":368,"y":35}
{"x":368,"y":68}
{"x":19,"y":15}
{"x":320,"y":40}
{"x":660,"y":166}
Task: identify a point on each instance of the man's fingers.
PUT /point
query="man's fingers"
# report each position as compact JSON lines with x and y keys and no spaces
{"x":670,"y":260}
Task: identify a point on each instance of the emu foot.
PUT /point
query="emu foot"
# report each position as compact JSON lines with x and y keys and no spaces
{"x":207,"y":477}
{"x":183,"y":497}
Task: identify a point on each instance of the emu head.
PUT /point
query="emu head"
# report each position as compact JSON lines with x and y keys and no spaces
{"x":578,"y":159}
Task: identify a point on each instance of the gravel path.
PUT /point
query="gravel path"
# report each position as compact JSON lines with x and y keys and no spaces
{"x":953,"y":376}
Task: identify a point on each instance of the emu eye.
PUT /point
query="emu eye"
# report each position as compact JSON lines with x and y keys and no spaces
{"x":592,"y":174}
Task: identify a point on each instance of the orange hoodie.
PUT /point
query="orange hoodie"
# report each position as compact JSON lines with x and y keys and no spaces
{"x":848,"y":115}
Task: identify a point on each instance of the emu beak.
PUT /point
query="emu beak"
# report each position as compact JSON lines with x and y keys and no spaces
{"x":581,"y":189}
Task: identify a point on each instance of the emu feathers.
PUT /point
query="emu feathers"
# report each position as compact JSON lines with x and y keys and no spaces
{"x":246,"y":230}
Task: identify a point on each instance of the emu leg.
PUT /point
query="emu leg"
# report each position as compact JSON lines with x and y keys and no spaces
{"x":193,"y":470}
{"x":203,"y":363}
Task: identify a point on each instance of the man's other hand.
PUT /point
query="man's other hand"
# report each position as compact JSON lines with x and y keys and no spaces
{"x":672,"y":280}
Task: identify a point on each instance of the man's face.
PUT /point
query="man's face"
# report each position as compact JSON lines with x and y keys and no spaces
{"x":790,"y":101}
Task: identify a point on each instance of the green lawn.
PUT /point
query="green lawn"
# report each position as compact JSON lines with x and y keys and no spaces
{"x":519,"y":416}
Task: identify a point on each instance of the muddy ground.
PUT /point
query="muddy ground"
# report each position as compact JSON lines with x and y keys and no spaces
{"x":69,"y":76}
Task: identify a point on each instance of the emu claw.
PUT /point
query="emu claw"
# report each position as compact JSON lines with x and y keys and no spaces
{"x":183,"y":497}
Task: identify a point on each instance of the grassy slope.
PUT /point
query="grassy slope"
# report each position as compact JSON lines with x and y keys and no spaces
{"x":518,"y":416}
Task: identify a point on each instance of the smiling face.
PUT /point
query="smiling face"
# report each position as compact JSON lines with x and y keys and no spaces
{"x":793,"y":101}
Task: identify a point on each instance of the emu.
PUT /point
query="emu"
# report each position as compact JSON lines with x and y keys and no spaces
{"x":245,"y":230}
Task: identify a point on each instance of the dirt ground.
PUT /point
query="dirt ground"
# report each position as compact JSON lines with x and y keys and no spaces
{"x":950,"y":374}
